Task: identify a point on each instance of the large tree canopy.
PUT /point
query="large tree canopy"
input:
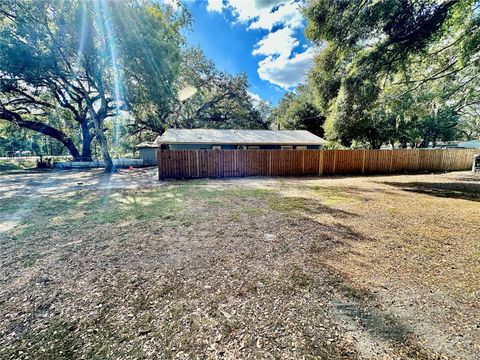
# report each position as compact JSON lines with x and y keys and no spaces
{"x":92,"y":58}
{"x":296,"y":111}
{"x":90,"y":62}
{"x":375,"y":53}
{"x":208,"y":98}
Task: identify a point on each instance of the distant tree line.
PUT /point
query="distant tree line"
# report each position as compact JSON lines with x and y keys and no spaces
{"x":390,"y":72}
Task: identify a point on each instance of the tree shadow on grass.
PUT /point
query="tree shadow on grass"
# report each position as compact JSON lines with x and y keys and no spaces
{"x":358,"y":306}
{"x":453,"y":190}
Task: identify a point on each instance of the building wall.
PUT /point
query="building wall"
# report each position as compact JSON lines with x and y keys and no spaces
{"x":189,"y":146}
{"x":149,"y":155}
{"x":228,"y":147}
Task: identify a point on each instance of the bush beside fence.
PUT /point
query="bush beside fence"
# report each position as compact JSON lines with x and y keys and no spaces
{"x":238,"y":163}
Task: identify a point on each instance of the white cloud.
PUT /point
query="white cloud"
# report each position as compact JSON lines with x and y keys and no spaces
{"x":247,"y":10}
{"x":172,"y":3}
{"x":280,"y":42}
{"x":255,"y":10}
{"x":281,"y":66}
{"x":287,"y":14}
{"x":256,"y":99}
{"x":215,"y":5}
{"x":284,"y":71}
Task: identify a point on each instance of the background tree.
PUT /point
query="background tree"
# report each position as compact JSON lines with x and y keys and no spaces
{"x":469,"y":125}
{"x":296,"y":111}
{"x":218,"y":99}
{"x":207,"y":98}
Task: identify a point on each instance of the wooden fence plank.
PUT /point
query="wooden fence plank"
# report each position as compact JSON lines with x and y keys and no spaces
{"x":328,"y":161}
{"x":349,"y":161}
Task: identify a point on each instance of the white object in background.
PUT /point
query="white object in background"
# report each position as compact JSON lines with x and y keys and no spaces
{"x":187,"y":92}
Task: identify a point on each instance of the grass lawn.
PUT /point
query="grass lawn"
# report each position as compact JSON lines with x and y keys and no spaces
{"x":12,"y":165}
{"x":127,"y":267}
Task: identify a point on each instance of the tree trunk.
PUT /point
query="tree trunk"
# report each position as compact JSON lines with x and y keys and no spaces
{"x":102,"y":141}
{"x":86,"y":142}
{"x":425,"y":142}
{"x":42,"y":128}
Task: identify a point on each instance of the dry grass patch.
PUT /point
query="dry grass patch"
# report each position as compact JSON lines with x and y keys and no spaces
{"x":334,"y":268}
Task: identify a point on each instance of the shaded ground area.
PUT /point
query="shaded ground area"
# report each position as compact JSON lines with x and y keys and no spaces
{"x":454,"y":190}
{"x":128,"y":267}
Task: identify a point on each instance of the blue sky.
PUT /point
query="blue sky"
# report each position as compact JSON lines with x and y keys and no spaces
{"x":263,"y":38}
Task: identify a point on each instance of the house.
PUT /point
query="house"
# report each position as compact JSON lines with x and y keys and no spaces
{"x":148,"y":152}
{"x":217,"y":139}
{"x":472,"y":144}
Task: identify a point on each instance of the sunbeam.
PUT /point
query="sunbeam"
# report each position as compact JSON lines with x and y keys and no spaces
{"x":112,"y":48}
{"x":82,"y":30}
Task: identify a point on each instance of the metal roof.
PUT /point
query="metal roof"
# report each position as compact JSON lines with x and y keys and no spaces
{"x":239,"y":137}
{"x":147,"y":144}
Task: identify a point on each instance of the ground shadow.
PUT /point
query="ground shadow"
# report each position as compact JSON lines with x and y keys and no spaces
{"x":358,"y":306}
{"x":454,"y":190}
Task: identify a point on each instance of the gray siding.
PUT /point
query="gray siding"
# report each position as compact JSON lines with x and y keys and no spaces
{"x":189,"y":146}
{"x":149,"y":155}
{"x":229,"y":147}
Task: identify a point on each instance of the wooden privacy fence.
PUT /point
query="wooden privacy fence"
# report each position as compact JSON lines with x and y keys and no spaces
{"x":235,"y":163}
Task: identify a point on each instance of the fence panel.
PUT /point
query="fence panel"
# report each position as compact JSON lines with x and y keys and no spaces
{"x":451,"y":159}
{"x":235,"y":163}
{"x":458,"y":160}
{"x":405,"y":160}
{"x":378,"y":161}
{"x":349,"y":162}
{"x":430,"y":160}
{"x":311,"y":162}
{"x":328,"y":164}
{"x":277,"y":163}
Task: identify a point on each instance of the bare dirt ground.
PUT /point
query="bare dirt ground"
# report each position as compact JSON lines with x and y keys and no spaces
{"x":127,"y":267}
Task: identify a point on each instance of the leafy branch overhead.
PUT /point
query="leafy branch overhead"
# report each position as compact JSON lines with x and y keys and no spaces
{"x":217,"y":99}
{"x":377,"y":54}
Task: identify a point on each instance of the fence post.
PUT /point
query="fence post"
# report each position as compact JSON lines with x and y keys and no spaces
{"x":334,"y":161}
{"x":391,"y":161}
{"x":158,"y":165}
{"x":320,"y":162}
{"x":441,"y":160}
{"x":363,"y":161}
{"x":418,"y":161}
{"x":198,"y":163}
{"x":303,"y":162}
{"x":235,"y":171}
{"x":270,"y":164}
